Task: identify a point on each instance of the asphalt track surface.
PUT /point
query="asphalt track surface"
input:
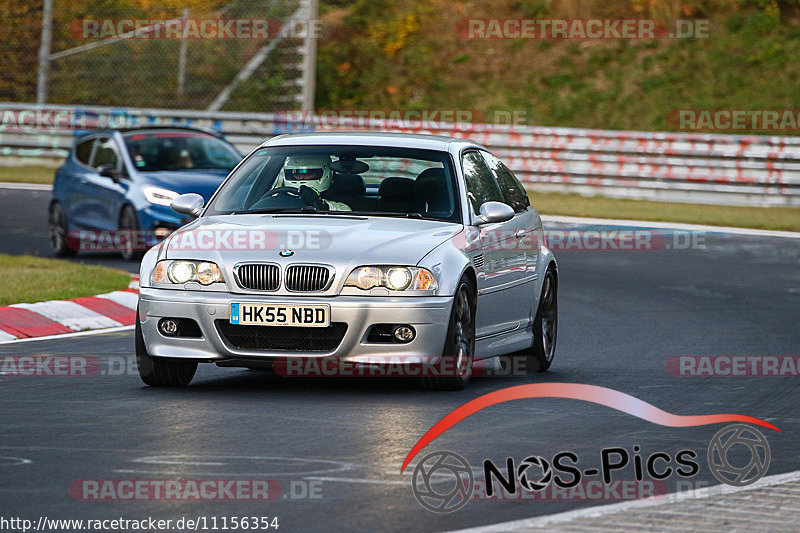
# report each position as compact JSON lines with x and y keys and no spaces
{"x":622,"y":315}
{"x":23,"y":229}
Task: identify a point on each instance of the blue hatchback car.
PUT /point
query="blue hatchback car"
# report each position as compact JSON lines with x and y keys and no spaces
{"x":126,"y":179}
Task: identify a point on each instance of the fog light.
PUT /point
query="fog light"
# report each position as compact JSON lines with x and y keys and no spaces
{"x":404,"y":333}
{"x":168,"y":327}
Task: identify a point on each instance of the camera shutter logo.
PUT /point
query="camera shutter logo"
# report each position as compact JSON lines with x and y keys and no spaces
{"x":443,"y":482}
{"x":731,"y":441}
{"x":528,"y":482}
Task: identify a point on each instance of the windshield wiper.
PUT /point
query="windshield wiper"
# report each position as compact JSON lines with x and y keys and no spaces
{"x":270,"y":210}
{"x":385,"y":214}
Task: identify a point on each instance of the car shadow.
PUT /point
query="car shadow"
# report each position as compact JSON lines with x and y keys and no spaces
{"x":266,"y":382}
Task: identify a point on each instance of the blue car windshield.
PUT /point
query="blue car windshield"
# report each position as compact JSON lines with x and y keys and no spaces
{"x":364,"y":180}
{"x":179,"y":150}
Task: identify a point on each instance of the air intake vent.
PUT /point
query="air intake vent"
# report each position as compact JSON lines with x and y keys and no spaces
{"x":307,"y":278}
{"x":282,"y":338}
{"x":478,"y":260}
{"x":258,"y":276}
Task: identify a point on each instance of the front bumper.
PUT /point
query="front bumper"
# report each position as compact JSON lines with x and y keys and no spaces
{"x":429,"y":316}
{"x":154,"y":217}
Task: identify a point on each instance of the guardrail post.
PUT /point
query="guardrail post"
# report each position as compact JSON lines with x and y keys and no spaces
{"x":44,"y":51}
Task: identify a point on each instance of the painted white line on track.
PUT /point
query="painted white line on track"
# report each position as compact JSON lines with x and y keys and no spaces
{"x":358,"y":480}
{"x":70,"y":335}
{"x":13,"y":461}
{"x":26,"y":186}
{"x":74,"y":316}
{"x":312,"y":467}
{"x":603,"y":510}
{"x":670,"y":225}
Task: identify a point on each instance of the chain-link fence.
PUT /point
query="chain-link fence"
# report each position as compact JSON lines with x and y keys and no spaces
{"x":239,"y":55}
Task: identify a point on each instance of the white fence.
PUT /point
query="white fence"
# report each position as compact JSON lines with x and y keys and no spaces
{"x":684,"y":167}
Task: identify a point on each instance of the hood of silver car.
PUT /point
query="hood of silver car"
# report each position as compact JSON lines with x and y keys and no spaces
{"x":342,"y":241}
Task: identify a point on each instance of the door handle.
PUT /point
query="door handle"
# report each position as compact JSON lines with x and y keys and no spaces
{"x":520,"y":233}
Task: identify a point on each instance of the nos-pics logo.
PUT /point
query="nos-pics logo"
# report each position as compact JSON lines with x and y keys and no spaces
{"x":444,"y":482}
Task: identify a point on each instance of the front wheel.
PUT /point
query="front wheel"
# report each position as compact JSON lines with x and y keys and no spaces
{"x":539,"y":356}
{"x":58,"y":230}
{"x":161,"y":371}
{"x":129,"y":226}
{"x":455,"y":369}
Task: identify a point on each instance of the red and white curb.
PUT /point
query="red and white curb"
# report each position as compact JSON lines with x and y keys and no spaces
{"x":57,"y":317}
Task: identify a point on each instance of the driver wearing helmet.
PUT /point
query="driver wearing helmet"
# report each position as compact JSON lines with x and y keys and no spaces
{"x":311,"y":175}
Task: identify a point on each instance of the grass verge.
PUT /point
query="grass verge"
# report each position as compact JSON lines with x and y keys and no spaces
{"x":28,"y":279}
{"x":27,"y":174}
{"x":770,"y":218}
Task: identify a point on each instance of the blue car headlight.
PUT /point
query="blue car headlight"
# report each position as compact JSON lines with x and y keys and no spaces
{"x":157,"y":195}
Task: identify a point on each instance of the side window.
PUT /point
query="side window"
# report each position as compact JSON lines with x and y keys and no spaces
{"x":513,"y":191}
{"x":83,"y":151}
{"x":481,"y":187}
{"x":105,"y":154}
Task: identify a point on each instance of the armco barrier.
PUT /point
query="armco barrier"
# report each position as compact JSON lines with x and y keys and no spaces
{"x":684,"y":167}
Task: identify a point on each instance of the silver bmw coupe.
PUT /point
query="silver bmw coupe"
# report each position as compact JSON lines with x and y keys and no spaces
{"x":366,"y":249}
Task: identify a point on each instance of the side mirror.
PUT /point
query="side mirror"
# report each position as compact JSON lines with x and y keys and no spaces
{"x":494,"y":212}
{"x":110,"y":171}
{"x":188,"y":204}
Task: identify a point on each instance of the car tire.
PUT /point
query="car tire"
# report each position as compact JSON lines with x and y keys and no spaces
{"x":459,"y":346}
{"x":161,"y":371}
{"x":539,"y":356}
{"x":128,"y":221}
{"x":58,"y":229}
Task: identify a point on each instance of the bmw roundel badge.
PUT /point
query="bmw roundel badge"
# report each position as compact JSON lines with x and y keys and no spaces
{"x":286,"y":253}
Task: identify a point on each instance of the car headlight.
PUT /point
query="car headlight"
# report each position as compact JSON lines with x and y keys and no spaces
{"x":396,"y":278}
{"x":182,"y":271}
{"x":157,"y":195}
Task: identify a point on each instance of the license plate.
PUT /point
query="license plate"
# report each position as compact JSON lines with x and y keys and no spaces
{"x":317,"y":316}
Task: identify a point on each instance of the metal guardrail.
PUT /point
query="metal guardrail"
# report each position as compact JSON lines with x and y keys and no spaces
{"x":683,"y":167}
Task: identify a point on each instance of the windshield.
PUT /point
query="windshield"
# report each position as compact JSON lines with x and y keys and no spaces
{"x":367,"y":180}
{"x":180,"y":150}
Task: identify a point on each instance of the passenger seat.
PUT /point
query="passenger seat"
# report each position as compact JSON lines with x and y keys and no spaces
{"x":430,"y":191}
{"x":396,"y":195}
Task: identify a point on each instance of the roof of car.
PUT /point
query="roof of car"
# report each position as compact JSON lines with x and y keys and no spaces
{"x":368,"y":138}
{"x":150,"y":127}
